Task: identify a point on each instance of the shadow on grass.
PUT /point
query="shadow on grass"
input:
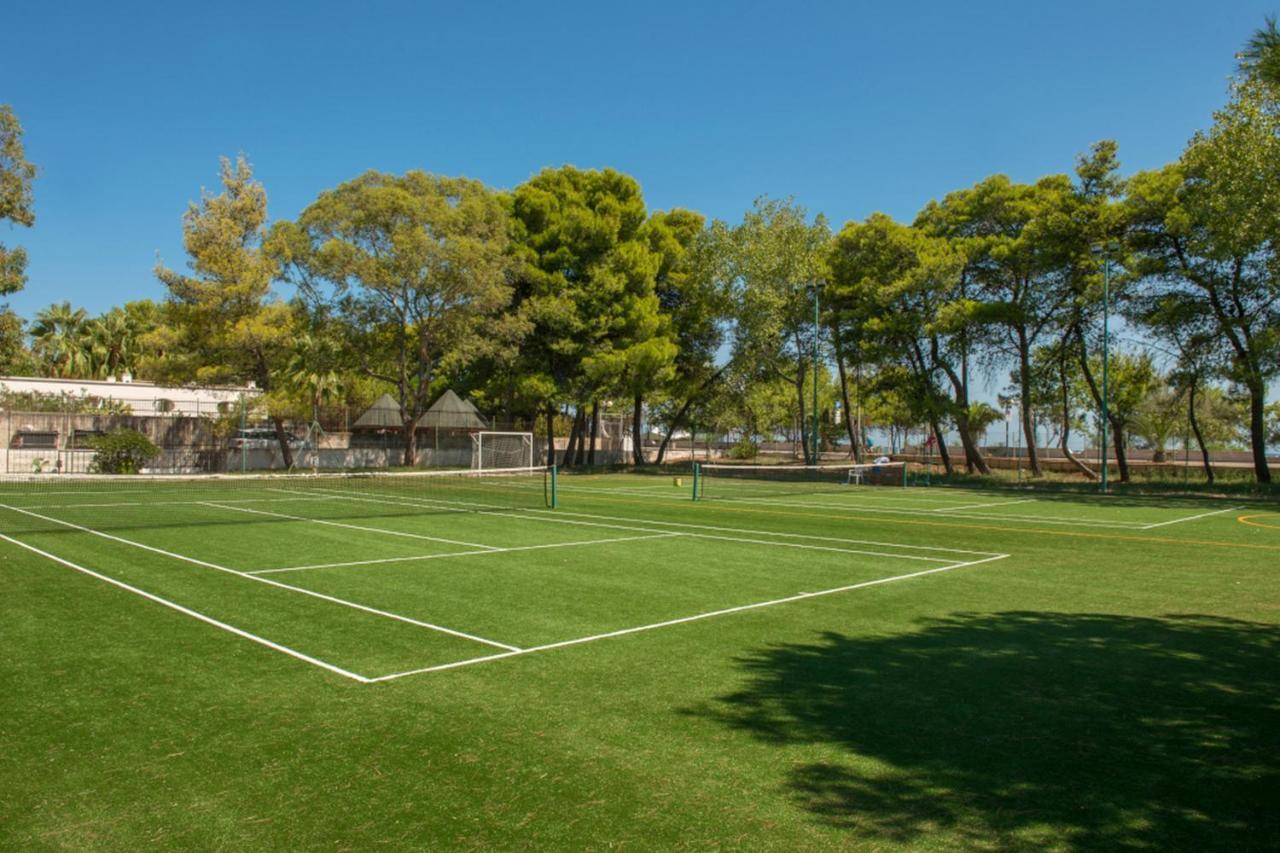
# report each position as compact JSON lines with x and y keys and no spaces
{"x":1004,"y":729}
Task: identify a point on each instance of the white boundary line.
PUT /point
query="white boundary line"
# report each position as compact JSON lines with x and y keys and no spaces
{"x":383,"y":530}
{"x":186,"y":611}
{"x":1192,"y":517}
{"x":980,"y":506}
{"x":682,"y":620}
{"x":814,"y":537}
{"x":302,"y":590}
{"x":422,"y":557}
{"x":555,"y":516}
{"x":935,"y":513}
{"x":105,"y":505}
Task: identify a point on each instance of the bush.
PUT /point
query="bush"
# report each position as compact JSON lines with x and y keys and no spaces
{"x":123,"y":451}
{"x":745,"y":448}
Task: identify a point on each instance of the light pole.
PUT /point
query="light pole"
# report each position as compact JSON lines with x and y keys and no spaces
{"x":1106,"y":358}
{"x":813,"y":437}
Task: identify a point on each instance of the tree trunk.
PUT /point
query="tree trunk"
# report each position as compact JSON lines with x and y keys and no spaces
{"x":285,"y":450}
{"x":1195,"y":428}
{"x":637,"y":423}
{"x":855,"y":450}
{"x":804,"y":431}
{"x":1024,"y":390}
{"x":1119,"y":440}
{"x":943,"y":453}
{"x":973,"y":459}
{"x":671,"y":429}
{"x":1066,"y":423}
{"x":595,"y":433}
{"x":571,"y":447}
{"x":1117,"y":429}
{"x":1257,"y":430}
{"x":580,"y":455}
{"x":410,"y":436}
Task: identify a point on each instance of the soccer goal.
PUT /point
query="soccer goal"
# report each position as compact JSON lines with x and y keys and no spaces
{"x":492,"y":450}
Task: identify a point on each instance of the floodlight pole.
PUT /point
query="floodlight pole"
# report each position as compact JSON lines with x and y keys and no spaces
{"x":813,"y":439}
{"x":1106,"y":341}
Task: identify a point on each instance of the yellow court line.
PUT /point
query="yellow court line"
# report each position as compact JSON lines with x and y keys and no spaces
{"x":1247,"y":519}
{"x":886,"y":520}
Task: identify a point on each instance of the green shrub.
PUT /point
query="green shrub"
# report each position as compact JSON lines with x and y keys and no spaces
{"x":745,"y":448}
{"x":123,"y":451}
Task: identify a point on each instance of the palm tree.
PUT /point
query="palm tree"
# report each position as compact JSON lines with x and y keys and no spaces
{"x":1261,"y":56}
{"x":60,"y":341}
{"x":111,"y":340}
{"x":312,"y":370}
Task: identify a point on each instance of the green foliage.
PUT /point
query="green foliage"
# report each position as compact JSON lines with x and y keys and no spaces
{"x":221,"y":323}
{"x":774,"y":260}
{"x":1203,"y":235}
{"x":226,"y":325}
{"x":122,"y":451}
{"x":413,"y":271}
{"x":16,"y":176}
{"x":65,"y":403}
{"x":585,"y":288}
{"x":1160,"y":418}
{"x":1261,"y":57}
{"x":15,"y":358}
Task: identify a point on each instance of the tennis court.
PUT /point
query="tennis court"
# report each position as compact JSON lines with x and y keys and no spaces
{"x":375,"y":577}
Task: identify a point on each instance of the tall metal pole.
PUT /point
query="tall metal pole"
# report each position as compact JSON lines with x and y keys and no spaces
{"x":813,"y":439}
{"x":1106,"y":342}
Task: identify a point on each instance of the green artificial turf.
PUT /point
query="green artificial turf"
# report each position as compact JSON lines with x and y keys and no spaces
{"x":866,"y":668}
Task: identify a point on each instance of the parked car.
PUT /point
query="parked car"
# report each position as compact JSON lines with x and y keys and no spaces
{"x":261,"y":438}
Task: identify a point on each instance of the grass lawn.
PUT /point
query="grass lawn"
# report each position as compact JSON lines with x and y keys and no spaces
{"x":862,"y":667}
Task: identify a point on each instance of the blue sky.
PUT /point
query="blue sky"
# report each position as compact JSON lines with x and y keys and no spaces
{"x":849,"y":107}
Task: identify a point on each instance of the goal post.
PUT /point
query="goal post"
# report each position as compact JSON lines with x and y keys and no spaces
{"x":491,"y":450}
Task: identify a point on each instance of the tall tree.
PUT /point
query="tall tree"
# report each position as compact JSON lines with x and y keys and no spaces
{"x":16,"y":176}
{"x":415,"y":266}
{"x":687,"y":285}
{"x":15,"y":358}
{"x":228,"y":325}
{"x":585,"y":291}
{"x":60,"y":342}
{"x":1260,"y":58}
{"x":897,"y":296}
{"x":777,"y":259}
{"x":1014,"y":238}
{"x":1206,"y":231}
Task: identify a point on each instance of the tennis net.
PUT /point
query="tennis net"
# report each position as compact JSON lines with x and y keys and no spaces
{"x":115,"y":501}
{"x":719,"y":482}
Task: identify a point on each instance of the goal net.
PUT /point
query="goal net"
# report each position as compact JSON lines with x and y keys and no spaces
{"x":493,"y":450}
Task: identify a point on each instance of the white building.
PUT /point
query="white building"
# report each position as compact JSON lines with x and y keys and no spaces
{"x":143,"y":398}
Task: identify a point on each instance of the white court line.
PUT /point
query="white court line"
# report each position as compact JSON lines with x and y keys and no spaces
{"x":880,"y":493}
{"x":980,"y":506}
{"x":1037,"y":519}
{"x":1192,"y":517}
{"x":166,"y":503}
{"x":682,"y":620}
{"x":549,"y":516}
{"x":771,"y":533}
{"x":308,"y":592}
{"x":422,"y":557}
{"x":382,"y":530}
{"x":737,"y":539}
{"x":186,"y":611}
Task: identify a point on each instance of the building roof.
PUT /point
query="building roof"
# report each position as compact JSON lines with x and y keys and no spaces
{"x":385,"y":413}
{"x":452,"y":412}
